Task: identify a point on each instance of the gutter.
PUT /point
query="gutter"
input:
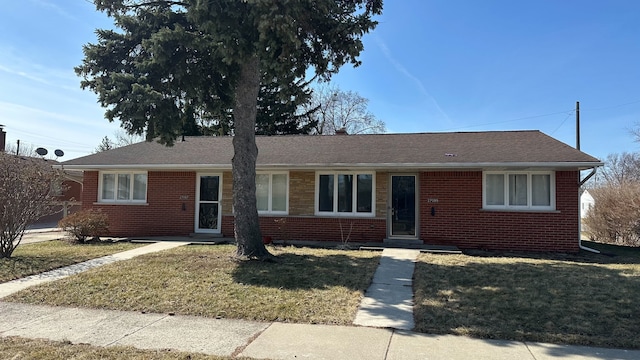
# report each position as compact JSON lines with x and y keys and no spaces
{"x":377,"y":166}
{"x":580,"y":192}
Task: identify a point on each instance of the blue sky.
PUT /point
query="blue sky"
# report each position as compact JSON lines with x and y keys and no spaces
{"x":430,"y":65}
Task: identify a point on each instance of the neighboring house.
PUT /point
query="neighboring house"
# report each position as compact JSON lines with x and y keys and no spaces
{"x":67,"y":197}
{"x":514,"y":190}
{"x":586,"y":203}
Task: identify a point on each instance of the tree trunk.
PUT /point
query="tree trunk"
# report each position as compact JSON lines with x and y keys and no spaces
{"x":247,"y":224}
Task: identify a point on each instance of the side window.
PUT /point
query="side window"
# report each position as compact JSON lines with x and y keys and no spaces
{"x":519,"y":190}
{"x":272,"y":192}
{"x":122,"y":187}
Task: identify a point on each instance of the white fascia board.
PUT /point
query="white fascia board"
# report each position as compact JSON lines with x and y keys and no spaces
{"x":438,"y":166}
{"x":165,"y":167}
{"x":383,"y":166}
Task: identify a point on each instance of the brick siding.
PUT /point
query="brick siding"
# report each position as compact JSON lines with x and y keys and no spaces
{"x":310,"y":228}
{"x":459,"y":218}
{"x":170,"y":208}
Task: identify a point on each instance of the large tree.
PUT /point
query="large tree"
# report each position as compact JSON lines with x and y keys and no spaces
{"x":173,"y":60}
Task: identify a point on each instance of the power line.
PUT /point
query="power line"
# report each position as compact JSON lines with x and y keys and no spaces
{"x":562,"y":122}
{"x":568,"y":112}
{"x":46,"y":138}
{"x":613,"y":106}
{"x":512,"y":120}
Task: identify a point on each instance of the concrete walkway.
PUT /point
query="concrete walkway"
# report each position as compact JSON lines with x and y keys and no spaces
{"x":39,"y":235}
{"x":388,"y":302}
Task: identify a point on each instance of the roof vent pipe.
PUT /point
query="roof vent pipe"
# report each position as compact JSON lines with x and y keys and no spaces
{"x":342,"y":131}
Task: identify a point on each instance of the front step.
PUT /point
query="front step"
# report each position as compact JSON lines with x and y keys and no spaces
{"x":433,"y":249}
{"x":403,"y":242}
{"x":413,"y":244}
{"x":205,"y":235}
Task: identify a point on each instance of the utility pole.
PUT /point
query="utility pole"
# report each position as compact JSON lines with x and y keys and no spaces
{"x":578,"y":125}
{"x":18,"y":148}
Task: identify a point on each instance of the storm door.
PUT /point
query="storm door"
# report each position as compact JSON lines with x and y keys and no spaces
{"x":208,"y":214}
{"x":403,"y":206}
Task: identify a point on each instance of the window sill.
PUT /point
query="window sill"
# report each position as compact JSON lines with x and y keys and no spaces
{"x":344,"y":215}
{"x":121,"y":203}
{"x":523,"y":211}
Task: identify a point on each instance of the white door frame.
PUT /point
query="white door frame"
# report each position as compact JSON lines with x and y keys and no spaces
{"x":197,"y":229}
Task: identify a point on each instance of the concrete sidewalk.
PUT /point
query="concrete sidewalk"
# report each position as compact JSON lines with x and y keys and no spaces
{"x":224,"y":337}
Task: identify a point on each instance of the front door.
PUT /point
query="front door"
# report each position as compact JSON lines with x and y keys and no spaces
{"x":403,"y":206}
{"x":208,"y":214}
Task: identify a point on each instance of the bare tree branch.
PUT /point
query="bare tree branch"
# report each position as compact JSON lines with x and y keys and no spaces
{"x":337,"y":109}
{"x":25,"y":185}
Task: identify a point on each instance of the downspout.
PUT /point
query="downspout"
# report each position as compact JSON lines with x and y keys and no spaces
{"x":580,"y":192}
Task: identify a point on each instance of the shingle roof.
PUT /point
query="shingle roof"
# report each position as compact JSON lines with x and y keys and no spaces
{"x":421,"y":150}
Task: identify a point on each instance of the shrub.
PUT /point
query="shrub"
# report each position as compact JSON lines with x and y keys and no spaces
{"x":615,"y":215}
{"x":85,"y":224}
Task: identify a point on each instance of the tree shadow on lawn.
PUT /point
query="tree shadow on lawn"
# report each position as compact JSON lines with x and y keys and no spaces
{"x":303,"y":271}
{"x":609,"y":254}
{"x":523,"y":300}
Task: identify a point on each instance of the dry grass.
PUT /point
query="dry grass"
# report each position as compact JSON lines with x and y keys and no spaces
{"x":29,"y":259}
{"x":34,"y":349}
{"x":584,"y":299}
{"x":304,"y":285}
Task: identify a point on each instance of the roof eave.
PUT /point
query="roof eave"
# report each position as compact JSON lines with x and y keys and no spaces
{"x":389,"y":166}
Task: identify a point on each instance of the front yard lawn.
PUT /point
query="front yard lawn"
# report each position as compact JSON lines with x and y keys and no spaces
{"x":35,"y":258}
{"x":584,"y":299}
{"x":304,"y":285}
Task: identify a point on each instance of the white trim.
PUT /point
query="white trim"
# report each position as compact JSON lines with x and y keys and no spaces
{"x":364,"y":166}
{"x":122,"y":203}
{"x":115,"y":200}
{"x":529,"y":206}
{"x":197,"y":205}
{"x":353,"y":213}
{"x":270,"y":193}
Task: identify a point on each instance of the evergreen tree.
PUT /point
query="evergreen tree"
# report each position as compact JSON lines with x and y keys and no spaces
{"x":105,"y":144}
{"x":176,"y":61}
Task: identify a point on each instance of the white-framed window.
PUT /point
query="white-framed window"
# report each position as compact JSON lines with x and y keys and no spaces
{"x":121,"y":186}
{"x":345,"y":193}
{"x":272,"y":192}
{"x":519,"y":190}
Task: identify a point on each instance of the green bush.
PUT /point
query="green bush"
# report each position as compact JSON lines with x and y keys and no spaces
{"x":85,"y":224}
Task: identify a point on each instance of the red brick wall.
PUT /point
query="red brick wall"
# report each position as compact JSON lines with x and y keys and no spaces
{"x":310,"y":228}
{"x":170,"y":208}
{"x":459,"y":219}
